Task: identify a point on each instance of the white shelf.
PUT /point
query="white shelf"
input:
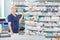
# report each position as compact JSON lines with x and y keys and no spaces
{"x":50,"y":20}
{"x":42,"y":14}
{"x":46,"y":3}
{"x":52,"y":29}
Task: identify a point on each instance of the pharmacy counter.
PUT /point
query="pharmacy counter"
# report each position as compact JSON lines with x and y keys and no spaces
{"x":26,"y":37}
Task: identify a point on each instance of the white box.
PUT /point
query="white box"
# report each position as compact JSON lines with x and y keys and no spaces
{"x":0,"y":28}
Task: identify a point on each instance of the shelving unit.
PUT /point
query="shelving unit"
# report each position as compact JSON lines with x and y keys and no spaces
{"x":41,"y":19}
{"x":48,"y":22}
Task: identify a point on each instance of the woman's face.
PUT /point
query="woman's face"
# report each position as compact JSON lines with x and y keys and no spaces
{"x":13,"y":9}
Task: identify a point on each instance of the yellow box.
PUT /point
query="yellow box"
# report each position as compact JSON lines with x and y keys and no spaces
{"x":58,"y":38}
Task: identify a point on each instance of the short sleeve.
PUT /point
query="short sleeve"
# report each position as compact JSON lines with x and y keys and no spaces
{"x":9,"y":18}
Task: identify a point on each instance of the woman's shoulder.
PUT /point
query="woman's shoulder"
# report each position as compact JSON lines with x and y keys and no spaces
{"x":10,"y":15}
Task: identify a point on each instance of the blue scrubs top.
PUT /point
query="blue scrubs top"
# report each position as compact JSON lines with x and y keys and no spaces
{"x":14,"y":22}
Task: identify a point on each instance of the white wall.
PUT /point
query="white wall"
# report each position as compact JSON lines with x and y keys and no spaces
{"x":0,"y":8}
{"x":7,"y":7}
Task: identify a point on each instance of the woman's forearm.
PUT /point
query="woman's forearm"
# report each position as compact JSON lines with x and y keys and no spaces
{"x":21,"y":18}
{"x":9,"y":24}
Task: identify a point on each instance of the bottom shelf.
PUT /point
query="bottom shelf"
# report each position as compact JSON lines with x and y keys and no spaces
{"x":3,"y":35}
{"x":52,"y":36}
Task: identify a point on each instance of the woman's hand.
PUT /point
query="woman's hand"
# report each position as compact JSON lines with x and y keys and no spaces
{"x":11,"y":33}
{"x":9,"y":24}
{"x":22,"y":14}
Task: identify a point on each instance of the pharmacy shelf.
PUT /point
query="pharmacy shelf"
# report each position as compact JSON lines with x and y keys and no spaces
{"x":43,"y":11}
{"x":44,"y":15}
{"x":52,"y":30}
{"x":52,"y":36}
{"x":34,"y":29}
{"x":50,"y":26}
{"x":43,"y":24}
{"x":46,"y":21}
{"x":40,"y":10}
{"x":4,"y":35}
{"x":58,"y":31}
{"x":47,"y":5}
{"x":49,"y":21}
{"x":21,"y":6}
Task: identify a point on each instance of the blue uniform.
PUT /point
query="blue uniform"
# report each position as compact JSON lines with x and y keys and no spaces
{"x":14,"y":22}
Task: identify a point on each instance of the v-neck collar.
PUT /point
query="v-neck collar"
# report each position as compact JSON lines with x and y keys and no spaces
{"x":13,"y":15}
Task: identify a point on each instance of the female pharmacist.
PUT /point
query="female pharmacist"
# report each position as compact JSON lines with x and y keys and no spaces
{"x":13,"y":21}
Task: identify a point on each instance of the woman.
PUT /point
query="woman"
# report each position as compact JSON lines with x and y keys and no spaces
{"x":13,"y":21}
